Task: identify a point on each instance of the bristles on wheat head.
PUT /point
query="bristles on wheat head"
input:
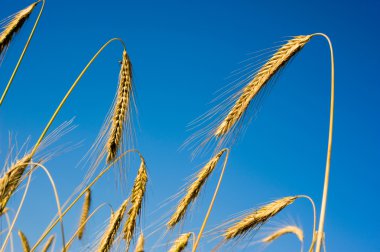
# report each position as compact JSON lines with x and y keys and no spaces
{"x":254,"y":220}
{"x":121,"y":109}
{"x":137,"y":196}
{"x":24,"y":241}
{"x":110,"y":234}
{"x":262,"y":77}
{"x":282,"y":231}
{"x":48,"y":244}
{"x":11,"y":180}
{"x":140,"y":243}
{"x":193,"y":190}
{"x":181,"y":243}
{"x":85,"y":211}
{"x":14,"y":26}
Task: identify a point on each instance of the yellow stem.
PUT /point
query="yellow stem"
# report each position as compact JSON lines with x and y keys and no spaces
{"x":212,"y":201}
{"x":9,"y":225}
{"x":46,"y":232}
{"x":22,"y":54}
{"x":329,"y":148}
{"x":314,"y":220}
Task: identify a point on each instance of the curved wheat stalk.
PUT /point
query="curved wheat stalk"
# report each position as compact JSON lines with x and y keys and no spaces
{"x":263,"y":76}
{"x":48,"y":244}
{"x":140,"y":243}
{"x":24,"y":241}
{"x":283,"y":231}
{"x":121,"y":109}
{"x":138,"y":192}
{"x":85,"y":211}
{"x":193,"y":190}
{"x":181,"y":243}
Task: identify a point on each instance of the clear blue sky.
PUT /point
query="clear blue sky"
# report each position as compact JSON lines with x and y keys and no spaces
{"x":182,"y":52}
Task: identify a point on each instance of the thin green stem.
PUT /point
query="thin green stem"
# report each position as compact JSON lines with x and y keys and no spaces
{"x":46,"y":232}
{"x":22,"y":54}
{"x":212,"y":201}
{"x":329,"y":147}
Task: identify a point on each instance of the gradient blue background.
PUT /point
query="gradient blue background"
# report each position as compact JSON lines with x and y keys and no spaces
{"x":182,"y":53}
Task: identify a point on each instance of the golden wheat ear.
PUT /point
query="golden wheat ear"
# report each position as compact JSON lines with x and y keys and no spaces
{"x":140,"y":243}
{"x":24,"y":241}
{"x":193,"y":190}
{"x":138,"y":192}
{"x":262,"y":77}
{"x":121,"y":109}
{"x":257,"y":218}
{"x":181,"y":243}
{"x":48,"y":244}
{"x":14,"y":25}
{"x":85,"y":211}
{"x":283,"y":231}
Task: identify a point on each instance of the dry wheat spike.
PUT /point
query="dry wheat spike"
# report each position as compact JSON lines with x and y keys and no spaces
{"x":140,"y":243}
{"x":110,"y":234}
{"x":85,"y":211}
{"x":282,"y":231}
{"x":257,"y":218}
{"x":181,"y":243}
{"x":193,"y":190}
{"x":263,"y":76}
{"x":121,"y":109}
{"x":137,"y":196}
{"x":48,"y":244}
{"x":24,"y":241}
{"x":14,"y":26}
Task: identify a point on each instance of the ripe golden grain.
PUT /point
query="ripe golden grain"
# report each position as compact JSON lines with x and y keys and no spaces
{"x":24,"y":241}
{"x":84,"y":215}
{"x":48,"y":244}
{"x":282,"y":231}
{"x":140,"y":243}
{"x":181,"y":243}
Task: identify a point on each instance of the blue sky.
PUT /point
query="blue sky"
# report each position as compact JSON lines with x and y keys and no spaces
{"x":182,"y":52}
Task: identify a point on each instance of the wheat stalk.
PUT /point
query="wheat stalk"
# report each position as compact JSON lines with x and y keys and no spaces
{"x":193,"y":190}
{"x":140,"y":243}
{"x":85,"y":211}
{"x":121,"y":108}
{"x":48,"y":244}
{"x":263,"y":76}
{"x":282,"y":231}
{"x":11,"y":180}
{"x":24,"y":241}
{"x":181,"y":243}
{"x":138,"y":192}
{"x":257,"y":218}
{"x":110,"y":234}
{"x":14,"y":26}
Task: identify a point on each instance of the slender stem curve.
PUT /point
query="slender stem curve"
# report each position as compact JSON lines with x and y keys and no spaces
{"x":212,"y":200}
{"x":314,"y":219}
{"x":9,"y":225}
{"x":23,"y":53}
{"x":46,"y":232}
{"x":329,"y":147}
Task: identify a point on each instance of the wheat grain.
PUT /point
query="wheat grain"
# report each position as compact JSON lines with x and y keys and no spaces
{"x":84,"y":215}
{"x":181,"y":243}
{"x":110,"y":234}
{"x":263,"y":76}
{"x":282,"y":231}
{"x":14,"y":26}
{"x":48,"y":244}
{"x":138,"y":192}
{"x":24,"y":241}
{"x":193,"y":190}
{"x":257,"y":218}
{"x":121,"y":108}
{"x":140,"y":243}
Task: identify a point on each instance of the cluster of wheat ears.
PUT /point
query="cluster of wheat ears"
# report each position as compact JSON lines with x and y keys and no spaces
{"x":122,"y":224}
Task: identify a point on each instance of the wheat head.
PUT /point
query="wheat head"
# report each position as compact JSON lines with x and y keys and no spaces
{"x":14,"y":26}
{"x":193,"y":190}
{"x":140,"y":243}
{"x":110,"y":234}
{"x":181,"y":243}
{"x":137,"y":196}
{"x":48,"y":244}
{"x":263,"y":76}
{"x":282,"y":231}
{"x":121,"y":109}
{"x":24,"y":241}
{"x":85,"y":211}
{"x":257,"y":218}
{"x":11,"y":180}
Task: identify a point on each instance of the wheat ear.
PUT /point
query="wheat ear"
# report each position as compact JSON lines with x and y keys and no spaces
{"x":11,"y":180}
{"x":24,"y":241}
{"x":110,"y":234}
{"x":138,"y":192}
{"x":121,"y":109}
{"x":140,"y":243}
{"x":193,"y":190}
{"x":85,"y":211}
{"x":48,"y":244}
{"x":263,"y":76}
{"x":282,"y":231}
{"x":254,"y":220}
{"x":181,"y":243}
{"x":14,"y":26}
